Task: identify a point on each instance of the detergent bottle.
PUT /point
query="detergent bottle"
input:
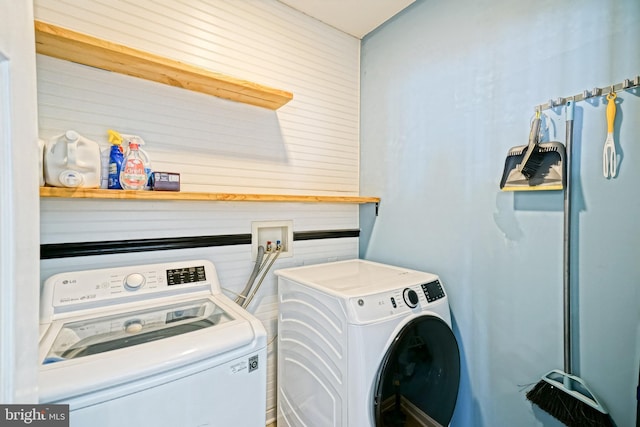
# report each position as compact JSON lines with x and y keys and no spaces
{"x":71,"y":160}
{"x":116,"y":157}
{"x":41,"y":145}
{"x":143,"y":155}
{"x":133,"y":175}
{"x":147,"y":162}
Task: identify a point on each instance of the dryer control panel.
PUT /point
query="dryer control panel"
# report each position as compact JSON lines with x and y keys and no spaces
{"x":416,"y":298}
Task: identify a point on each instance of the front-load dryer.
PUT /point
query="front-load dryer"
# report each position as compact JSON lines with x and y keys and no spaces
{"x":363,"y":344}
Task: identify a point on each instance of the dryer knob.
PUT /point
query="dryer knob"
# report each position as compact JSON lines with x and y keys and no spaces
{"x":134,"y":281}
{"x":410,"y":297}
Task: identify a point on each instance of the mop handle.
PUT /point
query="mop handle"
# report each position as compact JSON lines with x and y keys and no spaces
{"x":566,"y":271}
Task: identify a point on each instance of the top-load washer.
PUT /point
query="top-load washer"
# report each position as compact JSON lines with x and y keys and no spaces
{"x":363,"y":344}
{"x":151,"y":345}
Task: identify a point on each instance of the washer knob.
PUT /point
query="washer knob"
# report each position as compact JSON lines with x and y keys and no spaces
{"x":133,"y":326}
{"x":410,"y":297}
{"x":134,"y":281}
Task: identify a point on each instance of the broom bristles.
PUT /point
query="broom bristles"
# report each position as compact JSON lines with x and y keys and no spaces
{"x":566,"y":408}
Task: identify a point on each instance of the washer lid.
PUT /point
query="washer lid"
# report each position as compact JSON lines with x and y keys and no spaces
{"x":105,"y":350}
{"x":107,"y":333}
{"x":355,"y":277}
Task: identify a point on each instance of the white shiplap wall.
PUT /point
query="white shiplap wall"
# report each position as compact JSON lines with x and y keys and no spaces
{"x":309,"y":146}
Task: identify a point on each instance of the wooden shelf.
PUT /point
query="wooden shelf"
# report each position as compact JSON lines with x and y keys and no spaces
{"x":69,"y":45}
{"x":97,"y":193}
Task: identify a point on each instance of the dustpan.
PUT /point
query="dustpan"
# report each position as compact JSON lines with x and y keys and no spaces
{"x":535,"y":166}
{"x":548,"y":176}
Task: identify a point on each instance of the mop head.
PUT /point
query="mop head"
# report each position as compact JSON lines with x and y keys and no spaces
{"x":567,"y":399}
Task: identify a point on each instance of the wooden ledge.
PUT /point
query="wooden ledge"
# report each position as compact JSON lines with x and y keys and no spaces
{"x":97,"y":193}
{"x":69,"y":45}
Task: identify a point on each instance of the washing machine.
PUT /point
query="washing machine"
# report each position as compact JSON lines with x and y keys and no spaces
{"x":363,"y":344}
{"x":151,"y":345}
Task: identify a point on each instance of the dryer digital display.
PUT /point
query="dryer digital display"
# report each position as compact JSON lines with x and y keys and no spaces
{"x":433,"y":291}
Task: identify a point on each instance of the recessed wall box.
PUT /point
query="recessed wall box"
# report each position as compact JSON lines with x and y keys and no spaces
{"x":272,"y":231}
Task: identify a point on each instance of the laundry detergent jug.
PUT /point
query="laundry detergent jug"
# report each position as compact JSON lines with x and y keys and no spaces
{"x":41,"y":144}
{"x":71,"y":160}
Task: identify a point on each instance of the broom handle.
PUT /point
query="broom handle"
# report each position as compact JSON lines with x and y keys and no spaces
{"x":566,"y":272}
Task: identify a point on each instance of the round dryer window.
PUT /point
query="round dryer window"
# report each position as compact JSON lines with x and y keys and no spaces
{"x":418,"y":379}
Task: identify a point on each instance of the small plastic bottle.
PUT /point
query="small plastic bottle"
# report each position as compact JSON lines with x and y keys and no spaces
{"x":143,"y":155}
{"x":145,"y":160}
{"x":116,"y":158}
{"x":133,"y":175}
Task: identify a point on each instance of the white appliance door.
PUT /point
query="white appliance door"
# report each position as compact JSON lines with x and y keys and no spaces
{"x":418,"y":378}
{"x":93,"y":336}
{"x":87,"y":354}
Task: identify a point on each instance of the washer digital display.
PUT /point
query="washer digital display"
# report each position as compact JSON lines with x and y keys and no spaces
{"x":180,"y":276}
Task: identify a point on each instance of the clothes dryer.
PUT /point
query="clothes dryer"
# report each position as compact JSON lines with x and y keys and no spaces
{"x":363,"y":344}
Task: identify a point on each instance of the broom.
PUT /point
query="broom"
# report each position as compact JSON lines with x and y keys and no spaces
{"x":564,"y":396}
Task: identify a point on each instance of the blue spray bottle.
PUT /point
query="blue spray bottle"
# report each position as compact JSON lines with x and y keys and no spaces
{"x":116,"y":157}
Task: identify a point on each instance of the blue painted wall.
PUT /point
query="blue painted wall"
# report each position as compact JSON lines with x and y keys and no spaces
{"x":447,"y":89}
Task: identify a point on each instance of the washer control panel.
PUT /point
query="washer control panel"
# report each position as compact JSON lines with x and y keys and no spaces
{"x":412,"y":298}
{"x":134,"y":281}
{"x":95,"y":286}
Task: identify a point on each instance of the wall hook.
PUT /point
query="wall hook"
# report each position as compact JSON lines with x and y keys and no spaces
{"x":627,"y":84}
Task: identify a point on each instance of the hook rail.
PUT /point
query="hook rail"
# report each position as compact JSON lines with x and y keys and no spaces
{"x":627,"y":84}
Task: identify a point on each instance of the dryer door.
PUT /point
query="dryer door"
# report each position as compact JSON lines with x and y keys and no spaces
{"x":417,"y":382}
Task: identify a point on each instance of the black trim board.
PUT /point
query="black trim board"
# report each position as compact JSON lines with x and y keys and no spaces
{"x":68,"y":250}
{"x":324,"y":234}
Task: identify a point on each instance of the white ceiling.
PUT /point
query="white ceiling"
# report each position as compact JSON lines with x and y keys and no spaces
{"x":355,"y":17}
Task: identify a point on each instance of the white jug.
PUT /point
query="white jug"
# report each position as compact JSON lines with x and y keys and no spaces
{"x":71,"y":160}
{"x":41,"y":144}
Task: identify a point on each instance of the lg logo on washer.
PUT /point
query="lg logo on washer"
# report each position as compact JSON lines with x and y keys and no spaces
{"x":35,"y":415}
